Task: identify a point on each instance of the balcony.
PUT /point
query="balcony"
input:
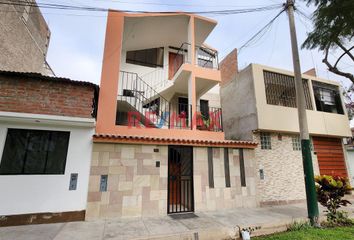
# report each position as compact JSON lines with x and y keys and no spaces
{"x":205,"y":58}
{"x":140,"y":106}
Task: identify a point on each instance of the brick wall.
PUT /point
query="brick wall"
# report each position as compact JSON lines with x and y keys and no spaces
{"x":229,"y":67}
{"x":39,"y":96}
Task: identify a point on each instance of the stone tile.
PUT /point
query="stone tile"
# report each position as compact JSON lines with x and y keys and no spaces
{"x":100,"y":170}
{"x":128,"y":152}
{"x":94,"y":183}
{"x":116,"y":198}
{"x":103,"y":158}
{"x":31,"y":232}
{"x":113,"y":182}
{"x":81,"y":230}
{"x":92,"y":210}
{"x":103,"y":147}
{"x":94,"y":197}
{"x":123,"y":186}
{"x":116,"y":170}
{"x":141,"y":181}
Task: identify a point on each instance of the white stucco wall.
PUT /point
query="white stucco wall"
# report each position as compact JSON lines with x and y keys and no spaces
{"x":21,"y":194}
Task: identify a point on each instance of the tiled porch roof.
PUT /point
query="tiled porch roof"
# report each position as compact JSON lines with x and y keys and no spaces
{"x":171,"y":141}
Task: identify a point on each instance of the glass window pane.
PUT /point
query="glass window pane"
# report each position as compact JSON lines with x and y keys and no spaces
{"x":57,"y":152}
{"x":14,"y":152}
{"x":36,"y":152}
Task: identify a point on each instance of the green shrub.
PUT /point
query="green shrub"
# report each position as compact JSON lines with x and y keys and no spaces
{"x":330,"y":192}
{"x":298,"y":225}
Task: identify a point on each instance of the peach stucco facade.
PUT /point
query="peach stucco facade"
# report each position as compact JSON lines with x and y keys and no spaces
{"x":110,"y":77}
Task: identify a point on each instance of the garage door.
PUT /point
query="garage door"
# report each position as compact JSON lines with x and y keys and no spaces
{"x":330,"y":156}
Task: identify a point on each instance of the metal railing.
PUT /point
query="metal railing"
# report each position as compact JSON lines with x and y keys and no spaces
{"x":209,"y":119}
{"x":207,"y":57}
{"x":180,"y":116}
{"x":142,"y":103}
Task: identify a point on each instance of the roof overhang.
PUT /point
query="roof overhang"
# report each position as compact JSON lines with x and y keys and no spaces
{"x":105,"y":138}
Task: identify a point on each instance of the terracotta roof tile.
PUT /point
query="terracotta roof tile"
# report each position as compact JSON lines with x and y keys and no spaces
{"x":166,"y":141}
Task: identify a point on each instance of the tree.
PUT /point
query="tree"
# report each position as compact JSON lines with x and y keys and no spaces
{"x":333,"y":22}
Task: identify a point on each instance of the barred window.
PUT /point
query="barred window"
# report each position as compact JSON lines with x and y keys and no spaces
{"x":266,"y":141}
{"x":296,"y":143}
{"x":280,"y":90}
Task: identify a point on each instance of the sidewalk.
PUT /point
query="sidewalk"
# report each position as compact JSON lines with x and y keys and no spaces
{"x":206,"y":225}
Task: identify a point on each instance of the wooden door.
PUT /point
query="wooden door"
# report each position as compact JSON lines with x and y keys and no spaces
{"x":330,"y":156}
{"x":174,"y":63}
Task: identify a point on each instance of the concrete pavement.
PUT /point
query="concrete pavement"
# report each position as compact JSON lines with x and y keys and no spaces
{"x":206,"y":225}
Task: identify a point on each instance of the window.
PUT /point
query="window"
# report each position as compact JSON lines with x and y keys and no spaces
{"x":205,"y":58}
{"x":152,"y":57}
{"x":210,"y":167}
{"x":227,"y":167}
{"x":266,"y":141}
{"x":242,"y":168}
{"x":280,"y":90}
{"x":327,"y":98}
{"x":34,"y":152}
{"x":296,"y":143}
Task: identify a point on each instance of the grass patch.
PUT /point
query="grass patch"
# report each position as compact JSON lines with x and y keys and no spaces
{"x":338,"y":233}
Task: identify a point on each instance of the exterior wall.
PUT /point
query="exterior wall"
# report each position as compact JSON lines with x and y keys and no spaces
{"x":229,"y":67}
{"x":350,"y":163}
{"x":112,"y":64}
{"x":35,"y":95}
{"x":221,"y":197}
{"x":24,"y":43}
{"x":22,"y":194}
{"x":283,"y":172}
{"x":213,"y":96}
{"x":238,"y":102}
{"x":137,"y":188}
{"x":319,"y":123}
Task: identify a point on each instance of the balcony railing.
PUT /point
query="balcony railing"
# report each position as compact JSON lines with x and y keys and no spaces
{"x":205,"y":57}
{"x":209,"y":119}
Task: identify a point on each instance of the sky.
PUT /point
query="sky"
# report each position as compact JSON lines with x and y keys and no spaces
{"x":77,"y":37}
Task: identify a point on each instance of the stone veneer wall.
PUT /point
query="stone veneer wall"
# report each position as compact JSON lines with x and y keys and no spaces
{"x":283,"y":171}
{"x":220,"y":197}
{"x":137,"y":188}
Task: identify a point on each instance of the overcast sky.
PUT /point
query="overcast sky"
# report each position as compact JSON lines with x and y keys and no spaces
{"x":77,"y":38}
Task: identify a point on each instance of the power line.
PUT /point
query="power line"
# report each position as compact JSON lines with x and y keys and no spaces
{"x":260,"y":33}
{"x":99,"y":9}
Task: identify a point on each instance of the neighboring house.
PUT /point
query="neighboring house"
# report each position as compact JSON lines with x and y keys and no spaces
{"x":46,"y":129}
{"x":259,"y":104}
{"x":349,"y":146}
{"x":24,"y":38}
{"x":159,"y":146}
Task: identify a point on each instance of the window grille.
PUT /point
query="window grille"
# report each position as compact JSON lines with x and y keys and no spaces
{"x":266,"y":141}
{"x":280,"y":90}
{"x":296,"y":143}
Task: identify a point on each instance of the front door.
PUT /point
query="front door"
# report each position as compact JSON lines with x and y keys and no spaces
{"x":180,"y":179}
{"x":174,"y":63}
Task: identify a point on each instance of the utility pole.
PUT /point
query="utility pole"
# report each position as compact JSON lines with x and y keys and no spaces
{"x":311,"y":197}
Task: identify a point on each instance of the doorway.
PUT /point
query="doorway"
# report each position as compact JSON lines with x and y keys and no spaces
{"x":180,"y":179}
{"x":174,"y":63}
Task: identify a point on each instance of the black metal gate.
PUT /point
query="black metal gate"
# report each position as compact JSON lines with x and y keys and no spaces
{"x":180,"y":179}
